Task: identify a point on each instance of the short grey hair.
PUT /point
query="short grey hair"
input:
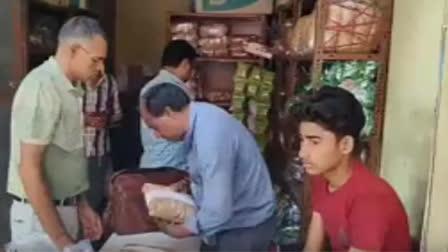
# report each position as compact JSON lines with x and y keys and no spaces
{"x":80,"y":29}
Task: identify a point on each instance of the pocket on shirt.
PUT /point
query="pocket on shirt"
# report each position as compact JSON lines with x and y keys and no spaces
{"x":68,"y":137}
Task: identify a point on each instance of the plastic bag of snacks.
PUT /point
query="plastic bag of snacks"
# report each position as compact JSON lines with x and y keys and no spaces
{"x":351,"y":26}
{"x":213,"y":43}
{"x":254,"y":81}
{"x":300,"y":38}
{"x":185,"y":31}
{"x":237,"y":45}
{"x":213,"y":46}
{"x":242,"y":71}
{"x":239,"y":87}
{"x":256,"y":74}
{"x":238,"y":104}
{"x":252,"y":88}
{"x":164,"y":203}
{"x":184,"y":27}
{"x":266,"y":87}
{"x":252,"y":99}
{"x":213,"y":30}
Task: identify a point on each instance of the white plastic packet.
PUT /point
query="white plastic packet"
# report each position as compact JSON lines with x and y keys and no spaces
{"x":166,"y":204}
{"x":41,"y":244}
{"x":81,"y":246}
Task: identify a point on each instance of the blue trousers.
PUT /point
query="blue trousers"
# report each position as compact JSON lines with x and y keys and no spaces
{"x":256,"y":238}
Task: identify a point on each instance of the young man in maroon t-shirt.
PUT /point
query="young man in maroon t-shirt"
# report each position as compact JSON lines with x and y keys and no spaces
{"x":354,"y":208}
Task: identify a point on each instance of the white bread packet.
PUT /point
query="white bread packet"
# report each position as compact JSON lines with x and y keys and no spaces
{"x":165,"y":203}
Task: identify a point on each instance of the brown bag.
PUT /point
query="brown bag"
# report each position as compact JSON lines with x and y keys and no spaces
{"x":126,"y":212}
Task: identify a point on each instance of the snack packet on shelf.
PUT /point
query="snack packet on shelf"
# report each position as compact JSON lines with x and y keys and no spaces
{"x":238,"y":104}
{"x":252,"y":88}
{"x":239,"y":87}
{"x":242,"y":71}
{"x":213,"y":30}
{"x":256,"y":73}
{"x":184,"y":27}
{"x":239,"y":116}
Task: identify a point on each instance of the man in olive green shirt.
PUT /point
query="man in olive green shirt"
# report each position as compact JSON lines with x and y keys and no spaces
{"x":48,"y":167}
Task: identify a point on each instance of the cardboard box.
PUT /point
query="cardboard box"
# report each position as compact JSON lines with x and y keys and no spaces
{"x":235,"y":6}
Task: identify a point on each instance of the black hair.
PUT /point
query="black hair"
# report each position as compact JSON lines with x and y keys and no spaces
{"x":334,"y":109}
{"x":176,"y":51}
{"x":165,"y":95}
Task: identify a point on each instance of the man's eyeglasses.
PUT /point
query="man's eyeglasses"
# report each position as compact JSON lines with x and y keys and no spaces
{"x":95,"y":60}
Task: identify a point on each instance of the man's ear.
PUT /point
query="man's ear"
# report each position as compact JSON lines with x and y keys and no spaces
{"x":347,"y":145}
{"x":168,"y":112}
{"x":73,"y":48}
{"x":184,"y":63}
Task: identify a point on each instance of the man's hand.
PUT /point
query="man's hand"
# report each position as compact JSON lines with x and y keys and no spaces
{"x":90,"y":221}
{"x":96,"y":120}
{"x":181,"y":186}
{"x":178,"y":231}
{"x":352,"y":249}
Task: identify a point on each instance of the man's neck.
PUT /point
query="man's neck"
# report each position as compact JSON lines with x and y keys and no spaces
{"x":61,"y":59}
{"x":338,"y":176}
{"x":187,"y":119}
{"x":172,"y":71}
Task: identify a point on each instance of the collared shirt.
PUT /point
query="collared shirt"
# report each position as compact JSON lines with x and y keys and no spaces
{"x":47,"y":111}
{"x":158,"y":152}
{"x":232,"y":185}
{"x":102,"y":99}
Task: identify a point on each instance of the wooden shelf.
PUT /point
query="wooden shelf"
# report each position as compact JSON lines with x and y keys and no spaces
{"x":330,"y":57}
{"x":217,"y":15}
{"x":222,"y":104}
{"x":218,"y":103}
{"x":351,"y":56}
{"x":230,"y":60}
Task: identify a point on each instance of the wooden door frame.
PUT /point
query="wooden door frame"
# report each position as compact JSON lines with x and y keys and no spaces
{"x":20,"y":22}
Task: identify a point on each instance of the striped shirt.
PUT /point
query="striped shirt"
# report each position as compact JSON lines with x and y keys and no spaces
{"x":102,"y":99}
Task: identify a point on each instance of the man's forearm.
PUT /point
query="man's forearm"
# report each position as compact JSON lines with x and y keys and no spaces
{"x":83,"y":201}
{"x":312,"y":247}
{"x":178,"y":231}
{"x":40,"y":198}
{"x":316,"y":234}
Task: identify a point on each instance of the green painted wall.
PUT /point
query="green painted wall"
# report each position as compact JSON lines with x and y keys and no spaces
{"x":411,"y":102}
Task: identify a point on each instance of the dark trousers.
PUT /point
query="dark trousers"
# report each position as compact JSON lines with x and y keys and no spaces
{"x":256,"y":238}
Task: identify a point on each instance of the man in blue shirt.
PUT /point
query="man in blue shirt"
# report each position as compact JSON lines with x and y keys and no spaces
{"x":230,"y":181}
{"x":177,"y":68}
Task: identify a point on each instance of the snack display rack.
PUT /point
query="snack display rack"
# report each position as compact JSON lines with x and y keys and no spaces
{"x":214,"y":80}
{"x":295,"y":70}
